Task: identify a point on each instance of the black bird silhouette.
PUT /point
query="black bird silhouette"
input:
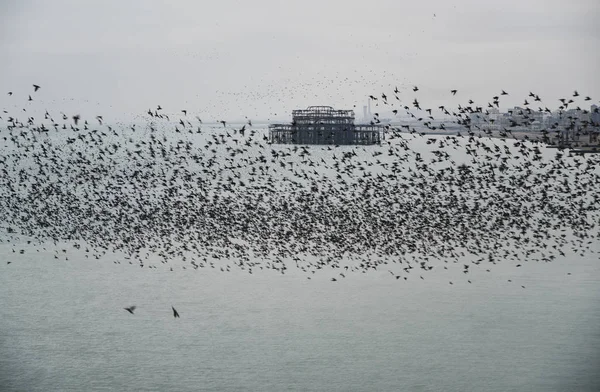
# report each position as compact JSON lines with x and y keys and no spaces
{"x":175,"y":314}
{"x":36,"y":87}
{"x":453,"y":92}
{"x":130,"y":309}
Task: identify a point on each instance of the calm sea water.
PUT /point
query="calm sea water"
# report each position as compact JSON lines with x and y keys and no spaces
{"x":63,"y":327}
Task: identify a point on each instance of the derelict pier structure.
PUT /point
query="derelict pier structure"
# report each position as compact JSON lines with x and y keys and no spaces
{"x":324,"y":125}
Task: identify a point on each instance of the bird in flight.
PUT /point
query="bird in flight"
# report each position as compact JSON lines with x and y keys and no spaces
{"x":35,"y":87}
{"x":453,"y":92}
{"x":130,"y":309}
{"x":175,"y":314}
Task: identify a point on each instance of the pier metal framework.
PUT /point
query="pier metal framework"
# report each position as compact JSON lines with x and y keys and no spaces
{"x":324,"y":125}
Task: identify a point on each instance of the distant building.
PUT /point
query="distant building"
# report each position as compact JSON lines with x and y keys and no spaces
{"x":324,"y":125}
{"x":493,"y":114}
{"x":595,"y":114}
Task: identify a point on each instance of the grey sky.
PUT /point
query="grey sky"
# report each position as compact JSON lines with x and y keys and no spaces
{"x":228,"y":59}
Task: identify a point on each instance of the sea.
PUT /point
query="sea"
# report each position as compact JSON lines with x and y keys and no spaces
{"x":64,"y":327}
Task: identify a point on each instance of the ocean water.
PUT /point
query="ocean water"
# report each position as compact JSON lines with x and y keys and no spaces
{"x":63,"y":326}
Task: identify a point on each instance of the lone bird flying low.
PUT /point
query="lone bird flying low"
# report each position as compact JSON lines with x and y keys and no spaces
{"x":175,"y":314}
{"x":130,"y":309}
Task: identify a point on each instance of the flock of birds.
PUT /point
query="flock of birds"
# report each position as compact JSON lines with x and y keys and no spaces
{"x":179,"y":192}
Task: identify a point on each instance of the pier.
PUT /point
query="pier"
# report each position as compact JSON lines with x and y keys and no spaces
{"x":324,"y":125}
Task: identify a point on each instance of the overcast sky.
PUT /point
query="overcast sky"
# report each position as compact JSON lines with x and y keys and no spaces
{"x":227,"y":59}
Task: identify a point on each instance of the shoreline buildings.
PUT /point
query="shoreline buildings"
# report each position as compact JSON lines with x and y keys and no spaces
{"x":563,"y":128}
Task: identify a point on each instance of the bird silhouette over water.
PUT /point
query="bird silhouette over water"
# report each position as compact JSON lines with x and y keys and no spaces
{"x":130,"y":309}
{"x":175,"y":313}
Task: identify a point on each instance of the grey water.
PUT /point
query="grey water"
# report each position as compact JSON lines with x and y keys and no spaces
{"x":63,"y":328}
